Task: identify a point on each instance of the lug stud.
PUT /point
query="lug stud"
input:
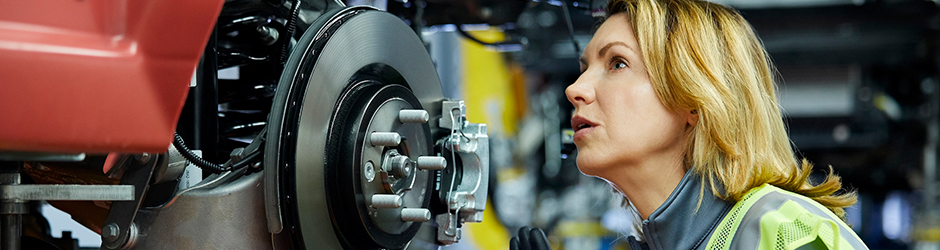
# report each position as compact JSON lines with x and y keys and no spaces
{"x":431,"y":162}
{"x":386,"y":201}
{"x":413,"y":116}
{"x":415,"y":214}
{"x":388,"y":139}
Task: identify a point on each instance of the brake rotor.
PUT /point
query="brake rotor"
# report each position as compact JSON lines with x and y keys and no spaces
{"x":328,"y":156}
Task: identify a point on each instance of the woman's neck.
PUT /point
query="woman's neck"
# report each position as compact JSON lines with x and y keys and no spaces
{"x":649,"y":184}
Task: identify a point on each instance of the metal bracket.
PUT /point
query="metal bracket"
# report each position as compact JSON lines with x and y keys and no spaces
{"x":34,"y":156}
{"x":13,"y":198}
{"x":68,"y":192}
{"x":119,"y":231}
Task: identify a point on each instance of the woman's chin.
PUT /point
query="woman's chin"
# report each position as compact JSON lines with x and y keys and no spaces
{"x":587,"y":167}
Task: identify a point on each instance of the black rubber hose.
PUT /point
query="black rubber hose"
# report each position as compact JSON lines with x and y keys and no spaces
{"x":195,"y":159}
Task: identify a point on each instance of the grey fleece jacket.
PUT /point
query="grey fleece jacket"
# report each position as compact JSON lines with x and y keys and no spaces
{"x":676,"y":224}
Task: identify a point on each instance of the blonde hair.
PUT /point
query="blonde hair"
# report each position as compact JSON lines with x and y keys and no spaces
{"x":705,"y":57}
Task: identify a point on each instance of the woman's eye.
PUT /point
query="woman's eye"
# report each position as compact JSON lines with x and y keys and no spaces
{"x":618,"y":64}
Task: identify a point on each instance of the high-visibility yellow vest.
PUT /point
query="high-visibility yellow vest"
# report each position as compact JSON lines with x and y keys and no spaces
{"x":770,"y":218}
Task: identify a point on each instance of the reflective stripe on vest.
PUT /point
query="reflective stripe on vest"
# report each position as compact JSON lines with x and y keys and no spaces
{"x":768,"y":217}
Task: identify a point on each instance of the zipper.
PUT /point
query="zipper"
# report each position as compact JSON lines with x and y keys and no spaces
{"x":647,"y":235}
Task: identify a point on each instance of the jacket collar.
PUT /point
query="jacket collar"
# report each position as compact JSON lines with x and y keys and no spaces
{"x":676,"y":224}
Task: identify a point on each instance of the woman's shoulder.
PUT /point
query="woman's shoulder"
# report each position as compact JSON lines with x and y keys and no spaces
{"x":768,"y":217}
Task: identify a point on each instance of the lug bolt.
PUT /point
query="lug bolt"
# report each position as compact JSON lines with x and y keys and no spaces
{"x":415,"y":214}
{"x":431,"y":162}
{"x":413,"y":116}
{"x":386,"y":201}
{"x":388,"y":139}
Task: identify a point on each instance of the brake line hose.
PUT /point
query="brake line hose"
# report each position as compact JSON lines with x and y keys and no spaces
{"x":209,"y":166}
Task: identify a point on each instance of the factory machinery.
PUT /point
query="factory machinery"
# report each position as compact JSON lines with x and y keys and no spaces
{"x":333,"y":134}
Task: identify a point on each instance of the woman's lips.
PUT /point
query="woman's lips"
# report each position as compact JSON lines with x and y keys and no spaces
{"x":581,"y":133}
{"x":582,"y":126}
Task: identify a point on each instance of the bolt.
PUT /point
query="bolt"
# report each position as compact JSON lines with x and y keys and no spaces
{"x":369,"y":171}
{"x":386,"y":201}
{"x":388,"y":139}
{"x":431,"y":162}
{"x":110,"y":232}
{"x":268,"y":35}
{"x":413,"y":116}
{"x":415,"y":214}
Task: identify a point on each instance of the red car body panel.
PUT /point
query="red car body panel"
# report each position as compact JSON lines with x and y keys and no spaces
{"x":97,"y":76}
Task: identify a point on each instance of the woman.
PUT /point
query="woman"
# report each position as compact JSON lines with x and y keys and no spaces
{"x":675,"y":107}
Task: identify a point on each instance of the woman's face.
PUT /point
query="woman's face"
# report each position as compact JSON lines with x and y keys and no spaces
{"x":619,"y":119}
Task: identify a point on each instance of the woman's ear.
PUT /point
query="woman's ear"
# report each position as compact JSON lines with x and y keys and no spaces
{"x":691,"y":118}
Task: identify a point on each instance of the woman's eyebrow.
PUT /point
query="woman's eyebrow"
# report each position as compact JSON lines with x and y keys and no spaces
{"x":600,"y":53}
{"x":603,"y":50}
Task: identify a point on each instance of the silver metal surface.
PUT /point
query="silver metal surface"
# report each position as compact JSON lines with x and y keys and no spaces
{"x":401,"y":166}
{"x":447,"y":230}
{"x":394,"y":178}
{"x":415,"y":214}
{"x":11,"y":229}
{"x":13,"y":207}
{"x":33,"y":156}
{"x":386,"y":201}
{"x":11,"y":215}
{"x":368,"y":38}
{"x":466,"y":201}
{"x":452,"y":112}
{"x":368,"y":171}
{"x":72,"y":192}
{"x":220,"y":215}
{"x":384,"y":139}
{"x":133,"y":235}
{"x":431,"y":163}
{"x":212,"y":180}
{"x":172,"y":168}
{"x":9,"y":178}
{"x":412,"y":187}
{"x":413,"y":116}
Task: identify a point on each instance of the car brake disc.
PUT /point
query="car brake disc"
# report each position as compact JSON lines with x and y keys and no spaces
{"x":349,"y":157}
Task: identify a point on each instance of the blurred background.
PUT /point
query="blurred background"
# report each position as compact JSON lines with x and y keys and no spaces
{"x":859,"y":89}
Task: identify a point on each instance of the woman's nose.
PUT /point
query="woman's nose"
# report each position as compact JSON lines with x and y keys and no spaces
{"x":581,"y":91}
